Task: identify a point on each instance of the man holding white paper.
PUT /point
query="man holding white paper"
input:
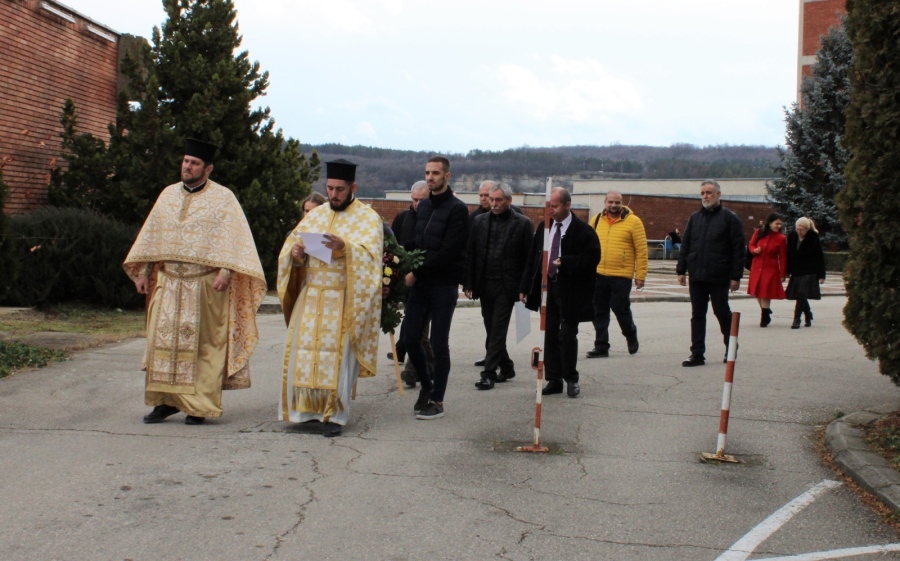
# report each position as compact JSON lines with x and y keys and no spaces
{"x":498,"y":251}
{"x":331,"y":302}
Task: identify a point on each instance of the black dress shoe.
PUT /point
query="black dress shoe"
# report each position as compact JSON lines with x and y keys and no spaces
{"x":573,"y":389}
{"x":694,"y":360}
{"x":553,"y":387}
{"x":409,"y":378}
{"x":597,"y":352}
{"x":479,"y":362}
{"x":192,"y":420}
{"x":159,"y":414}
{"x":330,"y":430}
{"x":504,"y":376}
{"x":633,"y":344}
{"x":487,"y":381}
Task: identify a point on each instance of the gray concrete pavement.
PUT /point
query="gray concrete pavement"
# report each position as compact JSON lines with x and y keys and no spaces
{"x":83,"y":478}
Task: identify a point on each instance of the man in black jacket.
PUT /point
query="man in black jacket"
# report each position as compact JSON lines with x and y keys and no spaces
{"x":573,"y":257}
{"x":404,"y":228}
{"x":442,"y":230}
{"x":712,"y":254}
{"x":498,"y":250}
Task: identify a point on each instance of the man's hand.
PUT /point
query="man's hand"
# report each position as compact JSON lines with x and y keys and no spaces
{"x":410,"y":279}
{"x":639,"y":284}
{"x":221,"y":282}
{"x":735,"y":285}
{"x":522,"y":298}
{"x":468,"y":294}
{"x":141,"y":284}
{"x":298,"y":252}
{"x":682,"y":280}
{"x":333,"y":242}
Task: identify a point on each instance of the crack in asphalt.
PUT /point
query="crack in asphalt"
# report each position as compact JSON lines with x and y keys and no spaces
{"x":301,"y":514}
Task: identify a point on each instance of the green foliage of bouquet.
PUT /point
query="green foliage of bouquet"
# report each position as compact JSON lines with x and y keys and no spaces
{"x":395,"y":264}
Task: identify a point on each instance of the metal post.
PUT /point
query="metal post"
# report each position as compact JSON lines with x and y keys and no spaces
{"x":720,"y":455}
{"x":536,"y":362}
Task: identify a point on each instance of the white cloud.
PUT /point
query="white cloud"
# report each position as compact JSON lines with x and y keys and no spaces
{"x":366,"y":129}
{"x":579,"y":91}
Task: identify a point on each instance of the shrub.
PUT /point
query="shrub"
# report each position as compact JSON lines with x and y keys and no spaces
{"x":15,"y":355}
{"x":835,"y":260}
{"x":68,"y":254}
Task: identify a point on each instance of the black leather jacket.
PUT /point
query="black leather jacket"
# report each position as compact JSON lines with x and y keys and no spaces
{"x":515,"y":249}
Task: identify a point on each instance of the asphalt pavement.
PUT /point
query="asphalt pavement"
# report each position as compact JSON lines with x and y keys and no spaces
{"x":84,"y":479}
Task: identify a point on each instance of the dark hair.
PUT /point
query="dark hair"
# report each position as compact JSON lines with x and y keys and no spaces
{"x":445,"y":163}
{"x":766,"y":229}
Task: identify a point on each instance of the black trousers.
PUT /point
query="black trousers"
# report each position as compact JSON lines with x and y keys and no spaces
{"x":702,"y":293}
{"x":496,"y":310}
{"x":560,"y":340}
{"x":612,"y":293}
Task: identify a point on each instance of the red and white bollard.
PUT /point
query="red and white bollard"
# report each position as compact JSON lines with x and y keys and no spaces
{"x":720,"y":455}
{"x":537,"y":364}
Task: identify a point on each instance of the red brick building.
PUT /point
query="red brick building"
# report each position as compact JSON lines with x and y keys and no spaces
{"x":816,"y":18}
{"x":48,"y":53}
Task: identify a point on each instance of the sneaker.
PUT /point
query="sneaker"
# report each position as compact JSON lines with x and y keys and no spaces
{"x":433,"y":411}
{"x":422,"y":402}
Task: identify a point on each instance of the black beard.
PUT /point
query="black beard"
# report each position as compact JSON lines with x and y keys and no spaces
{"x":341,"y":207}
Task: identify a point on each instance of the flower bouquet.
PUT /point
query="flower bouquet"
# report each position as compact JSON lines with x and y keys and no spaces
{"x":396,"y":263}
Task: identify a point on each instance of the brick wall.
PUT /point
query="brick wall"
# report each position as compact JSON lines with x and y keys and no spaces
{"x":45,"y":59}
{"x":818,"y":17}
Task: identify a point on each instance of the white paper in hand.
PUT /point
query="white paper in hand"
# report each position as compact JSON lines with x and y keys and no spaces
{"x":523,"y":322}
{"x":313,"y":245}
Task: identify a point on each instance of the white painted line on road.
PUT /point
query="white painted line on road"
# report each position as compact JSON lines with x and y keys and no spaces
{"x":744,"y":547}
{"x":837,"y":553}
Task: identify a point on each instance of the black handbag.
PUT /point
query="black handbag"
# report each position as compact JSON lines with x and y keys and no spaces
{"x":748,"y":256}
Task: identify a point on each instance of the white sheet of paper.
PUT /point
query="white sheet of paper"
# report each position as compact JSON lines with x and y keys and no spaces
{"x":313,"y":243}
{"x":523,"y":321}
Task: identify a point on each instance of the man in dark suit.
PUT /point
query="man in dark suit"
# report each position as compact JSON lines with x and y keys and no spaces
{"x":574,"y":255}
{"x":498,"y":252}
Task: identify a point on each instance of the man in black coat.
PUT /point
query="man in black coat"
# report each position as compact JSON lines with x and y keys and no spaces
{"x":712,"y":254}
{"x":404,"y":228}
{"x":442,"y":230}
{"x":573,"y":257}
{"x":498,"y":250}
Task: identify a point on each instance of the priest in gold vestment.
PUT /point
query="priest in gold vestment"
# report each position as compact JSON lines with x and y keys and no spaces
{"x":332,"y":310}
{"x":196,"y":259}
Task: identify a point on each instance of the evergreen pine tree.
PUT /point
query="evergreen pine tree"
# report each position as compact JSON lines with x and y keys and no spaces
{"x":811,"y":170}
{"x":870,"y":204}
{"x":191,"y":84}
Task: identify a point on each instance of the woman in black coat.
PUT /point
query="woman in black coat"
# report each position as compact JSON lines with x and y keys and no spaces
{"x":806,"y":267}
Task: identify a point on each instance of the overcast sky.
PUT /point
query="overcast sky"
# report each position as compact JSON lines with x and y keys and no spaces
{"x":496,"y":74}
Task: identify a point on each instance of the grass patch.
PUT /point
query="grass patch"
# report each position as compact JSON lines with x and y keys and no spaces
{"x":75,"y":318}
{"x":15,"y":355}
{"x":884,"y":437}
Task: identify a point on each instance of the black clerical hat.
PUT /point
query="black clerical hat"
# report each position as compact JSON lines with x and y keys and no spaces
{"x":199,"y":149}
{"x":340,"y":169}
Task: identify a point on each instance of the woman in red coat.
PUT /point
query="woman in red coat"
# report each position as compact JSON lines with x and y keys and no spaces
{"x":769,"y":269}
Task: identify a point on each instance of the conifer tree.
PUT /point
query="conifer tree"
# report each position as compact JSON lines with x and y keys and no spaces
{"x":870,"y":205}
{"x":191,"y":82}
{"x":811,"y":171}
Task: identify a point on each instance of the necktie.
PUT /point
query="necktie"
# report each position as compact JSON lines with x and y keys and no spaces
{"x":554,"y":251}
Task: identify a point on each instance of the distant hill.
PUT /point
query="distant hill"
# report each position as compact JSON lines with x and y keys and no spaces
{"x":525,"y":168}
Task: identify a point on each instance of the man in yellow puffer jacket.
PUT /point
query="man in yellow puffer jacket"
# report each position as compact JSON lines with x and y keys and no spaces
{"x":623,"y":257}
